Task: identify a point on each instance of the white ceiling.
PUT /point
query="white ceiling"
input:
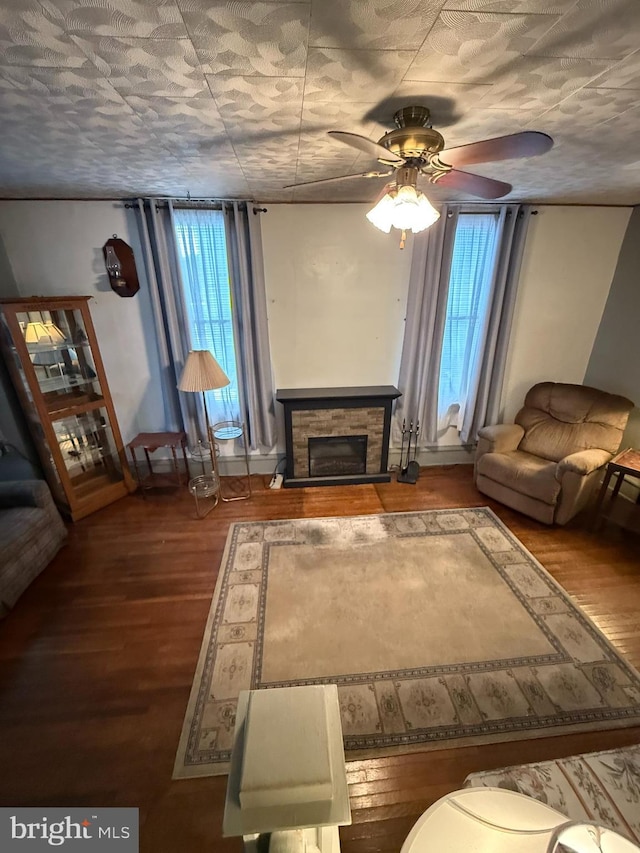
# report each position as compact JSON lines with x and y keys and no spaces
{"x":233,"y":98}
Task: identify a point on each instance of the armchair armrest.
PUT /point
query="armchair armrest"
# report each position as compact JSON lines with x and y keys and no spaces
{"x":583,"y":462}
{"x":14,"y":493}
{"x":501,"y":438}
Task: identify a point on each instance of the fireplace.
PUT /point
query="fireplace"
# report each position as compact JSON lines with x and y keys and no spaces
{"x":337,"y":435}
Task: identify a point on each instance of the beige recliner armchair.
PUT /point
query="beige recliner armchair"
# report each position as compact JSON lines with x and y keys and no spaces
{"x":548,"y":463}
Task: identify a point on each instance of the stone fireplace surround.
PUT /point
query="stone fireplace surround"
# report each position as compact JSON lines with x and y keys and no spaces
{"x":324,"y":412}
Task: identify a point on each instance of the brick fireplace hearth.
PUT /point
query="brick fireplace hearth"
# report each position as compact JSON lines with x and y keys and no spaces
{"x":337,"y":435}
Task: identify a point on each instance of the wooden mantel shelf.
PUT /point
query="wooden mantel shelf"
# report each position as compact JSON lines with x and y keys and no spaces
{"x":290,"y":395}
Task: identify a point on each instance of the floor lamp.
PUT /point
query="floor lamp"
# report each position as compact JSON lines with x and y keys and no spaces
{"x":203,"y":373}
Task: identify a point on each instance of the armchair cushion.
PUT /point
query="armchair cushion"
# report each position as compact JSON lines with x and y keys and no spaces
{"x":526,"y":474}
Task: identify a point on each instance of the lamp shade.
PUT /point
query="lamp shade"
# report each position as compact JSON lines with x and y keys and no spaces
{"x":37,"y":332}
{"x":202,"y":373}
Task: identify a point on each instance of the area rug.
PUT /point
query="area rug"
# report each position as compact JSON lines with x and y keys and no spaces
{"x":439,"y":628}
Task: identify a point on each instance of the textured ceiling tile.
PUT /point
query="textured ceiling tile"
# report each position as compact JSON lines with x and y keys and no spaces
{"x":352,"y":75}
{"x":325,"y":154}
{"x":336,"y":115}
{"x":565,"y":172}
{"x":522,"y":7}
{"x":537,"y":83}
{"x":269,"y":196}
{"x":254,"y":106}
{"x":379,"y":24}
{"x":358,"y":189}
{"x":139,"y":18}
{"x":267,"y":39}
{"x":180,"y":122}
{"x":475,"y":46}
{"x":586,"y":109}
{"x":200,"y":183}
{"x":596,"y":29}
{"x":33,"y":113}
{"x":623,"y":75}
{"x":6,"y":84}
{"x":164,"y":67}
{"x":273,"y":158}
{"x":73,"y":83}
{"x":109,"y":125}
{"x":29,"y":35}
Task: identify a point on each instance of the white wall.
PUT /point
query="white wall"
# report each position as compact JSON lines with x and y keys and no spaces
{"x":336,"y":292}
{"x":568,"y":265}
{"x":55,"y":249}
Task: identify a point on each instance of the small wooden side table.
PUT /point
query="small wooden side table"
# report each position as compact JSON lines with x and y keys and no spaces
{"x":625,"y":464}
{"x":150,"y":442}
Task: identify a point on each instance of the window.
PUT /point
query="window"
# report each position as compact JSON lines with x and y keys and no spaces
{"x":470,"y":280}
{"x":202,"y":254}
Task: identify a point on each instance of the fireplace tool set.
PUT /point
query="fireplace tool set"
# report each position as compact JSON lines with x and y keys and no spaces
{"x":409,"y":469}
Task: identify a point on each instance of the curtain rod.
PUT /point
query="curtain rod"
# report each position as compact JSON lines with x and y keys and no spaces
{"x":197,"y":204}
{"x":484,"y":212}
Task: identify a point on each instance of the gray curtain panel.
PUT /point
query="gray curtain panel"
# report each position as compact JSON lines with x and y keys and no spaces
{"x":170,"y":313}
{"x":426,"y":314}
{"x":424,"y":325}
{"x":484,"y":396}
{"x":246,"y":270}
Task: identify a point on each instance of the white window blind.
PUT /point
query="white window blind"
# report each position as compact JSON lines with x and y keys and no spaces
{"x":202,"y":253}
{"x":473,"y":263}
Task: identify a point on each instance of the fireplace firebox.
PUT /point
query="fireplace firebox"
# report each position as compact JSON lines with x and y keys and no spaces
{"x":336,"y":455}
{"x":337,"y":435}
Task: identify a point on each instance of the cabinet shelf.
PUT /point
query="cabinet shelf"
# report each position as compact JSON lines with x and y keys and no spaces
{"x":54,"y":360}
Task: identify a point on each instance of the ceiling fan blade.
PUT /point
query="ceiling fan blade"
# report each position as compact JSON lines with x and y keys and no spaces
{"x":367,"y":146}
{"x":474,"y":184}
{"x":340,"y":178}
{"x":529,"y":143}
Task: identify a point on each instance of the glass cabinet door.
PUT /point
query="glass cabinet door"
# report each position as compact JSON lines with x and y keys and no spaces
{"x":61,"y":356}
{"x":57,"y":372}
{"x":88,"y":449}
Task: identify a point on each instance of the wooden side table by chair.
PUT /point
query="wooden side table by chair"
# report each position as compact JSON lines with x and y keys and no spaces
{"x":625,"y":464}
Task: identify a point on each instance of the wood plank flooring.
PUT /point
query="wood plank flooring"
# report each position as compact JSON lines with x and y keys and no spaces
{"x":97,"y":659}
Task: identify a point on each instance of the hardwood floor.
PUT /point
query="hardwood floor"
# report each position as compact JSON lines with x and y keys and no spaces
{"x":97,"y":659}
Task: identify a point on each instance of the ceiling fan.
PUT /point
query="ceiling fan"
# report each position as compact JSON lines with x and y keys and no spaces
{"x":415,"y":149}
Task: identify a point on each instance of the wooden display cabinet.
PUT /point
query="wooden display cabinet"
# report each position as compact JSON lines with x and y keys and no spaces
{"x":51,"y":350}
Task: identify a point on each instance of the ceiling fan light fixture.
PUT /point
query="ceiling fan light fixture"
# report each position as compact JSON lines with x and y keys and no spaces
{"x":404,"y":208}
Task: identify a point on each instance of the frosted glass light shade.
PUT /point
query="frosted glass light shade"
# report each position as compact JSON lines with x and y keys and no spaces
{"x":202,"y":373}
{"x":405,"y":208}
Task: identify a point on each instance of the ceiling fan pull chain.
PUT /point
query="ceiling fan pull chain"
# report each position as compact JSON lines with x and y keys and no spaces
{"x":403,"y":239}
